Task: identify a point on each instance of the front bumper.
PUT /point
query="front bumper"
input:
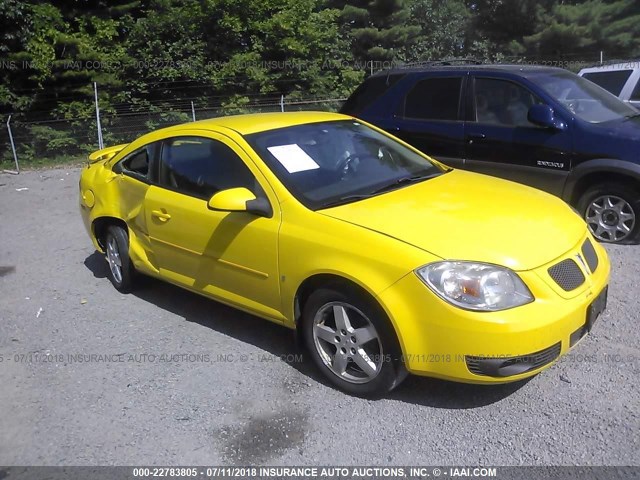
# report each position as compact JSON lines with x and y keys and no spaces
{"x":443,"y":341}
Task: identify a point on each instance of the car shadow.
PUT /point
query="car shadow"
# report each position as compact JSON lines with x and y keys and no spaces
{"x":436,"y":393}
{"x":281,"y":342}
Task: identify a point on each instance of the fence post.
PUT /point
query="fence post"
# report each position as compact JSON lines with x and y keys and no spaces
{"x":282,"y":103}
{"x":95,"y":93}
{"x":193,"y":111}
{"x":13,"y":149}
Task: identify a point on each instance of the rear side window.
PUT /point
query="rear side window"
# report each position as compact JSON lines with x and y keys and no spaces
{"x":611,"y":81}
{"x":434,"y":99}
{"x":136,"y":164}
{"x":368,"y":92}
{"x":200,"y":167}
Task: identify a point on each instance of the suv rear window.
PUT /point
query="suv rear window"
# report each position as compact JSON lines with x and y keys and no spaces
{"x":635,"y":95}
{"x":434,"y":99}
{"x":369,"y":91}
{"x":610,"y":81}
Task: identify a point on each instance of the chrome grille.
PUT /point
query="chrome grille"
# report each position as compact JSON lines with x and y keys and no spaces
{"x":567,"y":274}
{"x":589,"y":254}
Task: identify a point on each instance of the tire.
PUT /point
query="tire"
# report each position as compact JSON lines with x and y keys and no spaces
{"x":116,"y":246}
{"x":352,"y":342}
{"x":612,"y":211}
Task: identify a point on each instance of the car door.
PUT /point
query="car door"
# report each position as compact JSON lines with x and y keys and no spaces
{"x":230,"y":255}
{"x":133,"y":181}
{"x":500,"y":141}
{"x":429,"y":117}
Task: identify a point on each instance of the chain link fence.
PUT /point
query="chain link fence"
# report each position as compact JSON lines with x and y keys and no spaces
{"x":58,"y":141}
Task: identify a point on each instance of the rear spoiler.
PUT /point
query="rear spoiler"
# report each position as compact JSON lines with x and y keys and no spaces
{"x":106,"y":153}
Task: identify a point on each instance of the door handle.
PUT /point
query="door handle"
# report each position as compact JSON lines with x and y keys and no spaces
{"x":160,"y":215}
{"x":476,"y":136}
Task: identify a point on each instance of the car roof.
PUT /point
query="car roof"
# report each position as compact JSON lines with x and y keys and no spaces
{"x":258,"y":122}
{"x":630,"y":65}
{"x":522,"y":70}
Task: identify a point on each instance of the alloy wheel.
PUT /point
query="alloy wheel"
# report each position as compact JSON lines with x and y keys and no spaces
{"x":114,"y":260}
{"x":347,"y":342}
{"x":610,"y":218}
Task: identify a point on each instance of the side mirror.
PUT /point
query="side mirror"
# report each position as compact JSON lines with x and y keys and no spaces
{"x":240,"y":200}
{"x":544,"y":116}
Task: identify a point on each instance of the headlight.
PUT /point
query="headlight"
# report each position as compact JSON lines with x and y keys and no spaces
{"x":475,"y":286}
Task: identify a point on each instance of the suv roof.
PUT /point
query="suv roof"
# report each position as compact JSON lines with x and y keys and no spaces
{"x":515,"y":68}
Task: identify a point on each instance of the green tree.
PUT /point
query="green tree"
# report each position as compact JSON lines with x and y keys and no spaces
{"x":380,"y":29}
{"x":66,"y":51}
{"x":443,"y":25}
{"x":497,"y":28}
{"x":588,"y":27}
{"x":15,"y":20}
{"x":290,"y":47}
{"x":233,"y":49}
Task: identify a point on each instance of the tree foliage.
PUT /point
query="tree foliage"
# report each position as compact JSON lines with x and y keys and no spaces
{"x":442,"y":24}
{"x":149,"y":55}
{"x":379,"y":29}
{"x":587,"y":27}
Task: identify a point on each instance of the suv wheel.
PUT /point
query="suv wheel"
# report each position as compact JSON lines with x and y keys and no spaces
{"x":612,"y":212}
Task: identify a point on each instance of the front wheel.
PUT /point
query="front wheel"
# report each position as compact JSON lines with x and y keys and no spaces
{"x":352,"y":343}
{"x":612,"y":212}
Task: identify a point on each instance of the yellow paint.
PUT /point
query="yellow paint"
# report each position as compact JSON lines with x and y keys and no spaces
{"x":231,"y":200}
{"x":257,"y":264}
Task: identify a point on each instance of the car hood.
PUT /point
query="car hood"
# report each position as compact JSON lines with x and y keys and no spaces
{"x":615,"y":140}
{"x":625,"y":129}
{"x":467,"y":216}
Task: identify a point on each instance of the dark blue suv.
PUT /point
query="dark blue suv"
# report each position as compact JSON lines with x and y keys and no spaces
{"x":540,"y":126}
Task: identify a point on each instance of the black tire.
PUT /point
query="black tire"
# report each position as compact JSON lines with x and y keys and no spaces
{"x":384,"y":350}
{"x":602,"y":224}
{"x":116,"y":237}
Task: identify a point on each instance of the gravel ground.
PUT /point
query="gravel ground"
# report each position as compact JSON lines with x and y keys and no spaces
{"x":254,"y":401}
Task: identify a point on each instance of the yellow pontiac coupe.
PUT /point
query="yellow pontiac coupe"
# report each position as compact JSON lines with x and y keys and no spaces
{"x":385,"y":261}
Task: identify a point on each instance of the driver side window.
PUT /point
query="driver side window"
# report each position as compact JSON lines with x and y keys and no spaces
{"x":501,"y":102}
{"x":200,"y":167}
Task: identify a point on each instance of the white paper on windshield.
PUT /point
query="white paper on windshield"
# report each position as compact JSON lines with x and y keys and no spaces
{"x":293,"y":158}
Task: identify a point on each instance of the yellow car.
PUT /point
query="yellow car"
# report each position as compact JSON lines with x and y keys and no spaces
{"x":385,"y":261}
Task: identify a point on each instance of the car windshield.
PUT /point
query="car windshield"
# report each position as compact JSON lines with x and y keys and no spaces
{"x":331,"y":163}
{"x":583,"y":98}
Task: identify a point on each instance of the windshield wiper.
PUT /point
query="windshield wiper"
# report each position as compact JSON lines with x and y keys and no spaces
{"x":403,"y":181}
{"x":346,"y":199}
{"x":629,"y":117}
{"x":400,"y":182}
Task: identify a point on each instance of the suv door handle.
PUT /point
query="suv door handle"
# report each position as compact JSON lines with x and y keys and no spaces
{"x":160,"y":215}
{"x":477,"y":136}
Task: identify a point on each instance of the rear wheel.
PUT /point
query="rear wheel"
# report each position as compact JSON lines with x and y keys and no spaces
{"x":352,"y":342}
{"x":612,"y":212}
{"x":116,"y":245}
